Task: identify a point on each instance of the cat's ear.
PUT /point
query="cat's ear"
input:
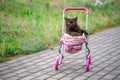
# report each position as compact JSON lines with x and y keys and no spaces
{"x":66,"y":19}
{"x":76,"y":18}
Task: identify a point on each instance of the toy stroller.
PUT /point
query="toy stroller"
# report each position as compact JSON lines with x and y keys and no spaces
{"x":70,"y":44}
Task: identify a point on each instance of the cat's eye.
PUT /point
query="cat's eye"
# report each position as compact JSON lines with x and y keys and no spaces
{"x":69,"y":23}
{"x":73,"y":23}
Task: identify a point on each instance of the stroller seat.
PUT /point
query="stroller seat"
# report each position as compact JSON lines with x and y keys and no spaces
{"x":72,"y":44}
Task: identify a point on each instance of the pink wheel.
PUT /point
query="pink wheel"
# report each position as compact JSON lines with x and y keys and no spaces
{"x":89,"y":57}
{"x":56,"y":63}
{"x":87,"y":65}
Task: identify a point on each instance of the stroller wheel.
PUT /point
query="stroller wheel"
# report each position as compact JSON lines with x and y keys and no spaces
{"x":56,"y":63}
{"x":87,"y":65}
{"x":89,"y":57}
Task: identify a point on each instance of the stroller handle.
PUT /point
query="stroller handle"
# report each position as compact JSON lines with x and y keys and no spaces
{"x":76,"y":8}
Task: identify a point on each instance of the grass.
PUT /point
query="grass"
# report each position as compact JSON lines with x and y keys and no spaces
{"x":27,"y":27}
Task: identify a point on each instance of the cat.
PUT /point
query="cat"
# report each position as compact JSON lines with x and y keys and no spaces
{"x":72,"y":28}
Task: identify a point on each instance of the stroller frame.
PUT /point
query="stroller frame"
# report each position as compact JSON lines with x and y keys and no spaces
{"x":87,"y":60}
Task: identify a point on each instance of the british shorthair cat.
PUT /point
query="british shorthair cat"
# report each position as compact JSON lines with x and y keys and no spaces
{"x":72,"y":28}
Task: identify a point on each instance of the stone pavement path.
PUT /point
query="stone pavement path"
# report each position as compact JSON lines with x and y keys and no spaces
{"x":105,"y":51}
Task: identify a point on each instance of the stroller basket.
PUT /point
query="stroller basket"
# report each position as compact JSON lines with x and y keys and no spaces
{"x":72,"y":49}
{"x":72,"y":44}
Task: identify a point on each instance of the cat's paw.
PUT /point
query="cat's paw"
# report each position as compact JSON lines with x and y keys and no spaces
{"x":75,"y":34}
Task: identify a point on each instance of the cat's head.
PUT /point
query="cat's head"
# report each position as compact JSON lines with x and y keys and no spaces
{"x":71,"y":23}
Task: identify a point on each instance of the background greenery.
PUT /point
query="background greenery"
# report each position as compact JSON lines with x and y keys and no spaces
{"x":28,"y":26}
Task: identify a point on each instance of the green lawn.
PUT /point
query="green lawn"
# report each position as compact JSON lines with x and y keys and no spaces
{"x":27,"y":27}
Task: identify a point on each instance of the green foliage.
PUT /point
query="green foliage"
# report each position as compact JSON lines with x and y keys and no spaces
{"x":27,"y":27}
{"x":12,"y":48}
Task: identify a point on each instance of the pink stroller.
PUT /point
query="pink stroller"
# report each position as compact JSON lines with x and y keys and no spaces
{"x":70,"y":44}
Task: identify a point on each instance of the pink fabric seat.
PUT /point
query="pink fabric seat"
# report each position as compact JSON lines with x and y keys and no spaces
{"x":72,"y":44}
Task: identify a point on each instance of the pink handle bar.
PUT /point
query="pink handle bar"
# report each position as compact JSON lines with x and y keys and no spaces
{"x":76,"y":8}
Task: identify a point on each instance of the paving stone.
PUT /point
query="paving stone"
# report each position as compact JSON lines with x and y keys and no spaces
{"x":41,"y":63}
{"x":103,"y":79}
{"x":73,"y":75}
{"x":88,"y":74}
{"x":49,"y":69}
{"x":43,"y":77}
{"x":17,"y":67}
{"x":4,"y":68}
{"x":29,"y":64}
{"x":1,"y":78}
{"x":109,"y":68}
{"x":68,"y":71}
{"x":80,"y":78}
{"x":95,"y":69}
{"x":102,"y":59}
{"x":15,"y":64}
{"x":109,"y":76}
{"x":20,"y":71}
{"x":81,"y":70}
{"x":26,"y":61}
{"x":102,"y":72}
{"x":37,"y":61}
{"x":28,"y":78}
{"x":66,"y":78}
{"x":117,"y":78}
{"x":37,"y":74}
{"x":8,"y":75}
{"x":34,"y":70}
{"x":2,"y":64}
{"x":116,"y":64}
{"x":58,"y":76}
{"x":109,"y":62}
{"x":96,"y":63}
{"x":6,"y":71}
{"x":50,"y":79}
{"x":102,"y":65}
{"x":96,"y":76}
{"x":118,"y":68}
{"x":63,"y":68}
{"x":24,"y":74}
{"x":76,"y":67}
{"x":53,"y":72}
{"x":13,"y":78}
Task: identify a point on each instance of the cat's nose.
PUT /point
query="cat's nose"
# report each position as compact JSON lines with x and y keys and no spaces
{"x":71,"y":22}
